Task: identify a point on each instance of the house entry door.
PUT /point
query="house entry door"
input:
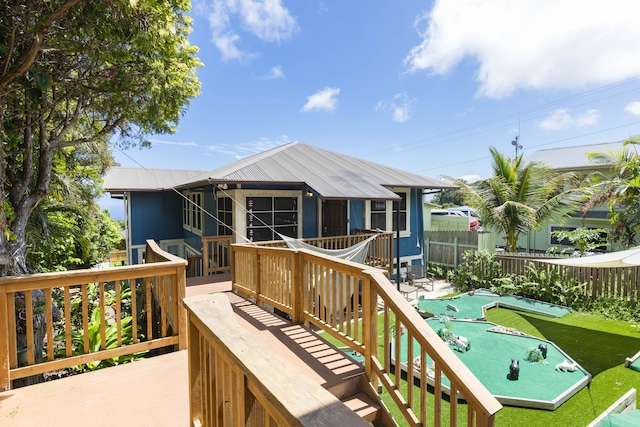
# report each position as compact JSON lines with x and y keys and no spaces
{"x":334,"y":218}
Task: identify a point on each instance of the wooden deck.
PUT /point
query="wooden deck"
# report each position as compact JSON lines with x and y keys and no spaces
{"x":154,"y":391}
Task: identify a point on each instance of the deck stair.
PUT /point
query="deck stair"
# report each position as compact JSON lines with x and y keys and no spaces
{"x":307,"y":352}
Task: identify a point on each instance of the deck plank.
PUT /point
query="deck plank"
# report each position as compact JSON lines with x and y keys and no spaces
{"x":154,"y":392}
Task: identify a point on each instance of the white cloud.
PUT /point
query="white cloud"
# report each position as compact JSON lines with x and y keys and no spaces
{"x":561,"y":119}
{"x":400,"y":105}
{"x":275,"y":73}
{"x":325,"y":99}
{"x":633,"y":108}
{"x":543,"y":44}
{"x":268,"y":20}
{"x":469,"y":179}
{"x":242,"y":150}
{"x":178,"y":143}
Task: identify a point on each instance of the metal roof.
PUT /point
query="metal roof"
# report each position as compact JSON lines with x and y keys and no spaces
{"x":331,"y":175}
{"x":572,"y":158}
{"x":118,"y":179}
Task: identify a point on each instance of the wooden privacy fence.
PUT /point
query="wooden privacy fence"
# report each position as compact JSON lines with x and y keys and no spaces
{"x":234,"y":381}
{"x":445,"y":248}
{"x":342,"y":299}
{"x":619,"y":282}
{"x":380,"y":253}
{"x":137,"y":308}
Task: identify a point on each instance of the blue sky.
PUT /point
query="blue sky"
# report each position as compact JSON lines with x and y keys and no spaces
{"x":426,"y":86}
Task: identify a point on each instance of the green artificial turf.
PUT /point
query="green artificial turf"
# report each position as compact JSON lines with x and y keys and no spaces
{"x":598,"y":344}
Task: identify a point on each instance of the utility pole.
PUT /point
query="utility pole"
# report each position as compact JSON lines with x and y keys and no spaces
{"x":516,"y":144}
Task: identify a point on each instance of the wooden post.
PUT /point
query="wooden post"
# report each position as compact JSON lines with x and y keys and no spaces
{"x":5,"y":382}
{"x":297,"y":291}
{"x":181,"y":289}
{"x":370,"y":326}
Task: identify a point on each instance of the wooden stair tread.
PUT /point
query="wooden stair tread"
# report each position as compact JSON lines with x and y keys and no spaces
{"x":364,"y":406}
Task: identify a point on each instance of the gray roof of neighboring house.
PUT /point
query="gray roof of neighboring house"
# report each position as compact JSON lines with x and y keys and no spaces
{"x":571,"y":158}
{"x":119,"y":179}
{"x":331,"y":175}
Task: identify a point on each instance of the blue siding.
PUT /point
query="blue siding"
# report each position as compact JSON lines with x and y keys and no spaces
{"x":356,"y":215}
{"x":156,"y":216}
{"x":309,"y":216}
{"x":412,"y":245}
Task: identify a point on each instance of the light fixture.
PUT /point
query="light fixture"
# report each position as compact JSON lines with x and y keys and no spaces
{"x":309,"y":194}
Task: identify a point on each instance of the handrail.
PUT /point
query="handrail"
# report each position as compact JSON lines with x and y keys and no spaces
{"x":234,"y":378}
{"x":341,"y":298}
{"x":156,"y":288}
{"x":380,"y":253}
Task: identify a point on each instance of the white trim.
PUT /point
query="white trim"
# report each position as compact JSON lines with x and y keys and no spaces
{"x":190,"y":208}
{"x":240,"y":218}
{"x":190,"y":251}
{"x":389,"y":211}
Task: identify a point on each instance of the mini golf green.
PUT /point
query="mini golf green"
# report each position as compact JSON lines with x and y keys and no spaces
{"x":539,"y":385}
{"x":473,"y":305}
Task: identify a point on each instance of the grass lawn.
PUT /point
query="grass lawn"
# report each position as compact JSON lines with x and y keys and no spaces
{"x":597,"y":344}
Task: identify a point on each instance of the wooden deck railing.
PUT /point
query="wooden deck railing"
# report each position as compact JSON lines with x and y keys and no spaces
{"x":342,"y":299}
{"x":152,"y":291}
{"x":216,"y":257}
{"x":380,"y":254}
{"x":234,"y":381}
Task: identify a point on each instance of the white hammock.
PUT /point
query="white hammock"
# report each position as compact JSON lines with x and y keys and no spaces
{"x":356,"y":253}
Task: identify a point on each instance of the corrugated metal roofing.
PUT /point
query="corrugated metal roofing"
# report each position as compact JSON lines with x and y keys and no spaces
{"x":119,"y":179}
{"x":331,"y":175}
{"x":571,"y":158}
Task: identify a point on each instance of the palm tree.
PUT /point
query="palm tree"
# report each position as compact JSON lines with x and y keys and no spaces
{"x":620,"y":189}
{"x":519,"y":198}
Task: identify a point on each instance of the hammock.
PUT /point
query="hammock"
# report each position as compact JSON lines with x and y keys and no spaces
{"x":356,"y":253}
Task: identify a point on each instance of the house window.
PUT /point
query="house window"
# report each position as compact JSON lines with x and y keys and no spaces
{"x":192,"y":212}
{"x":225,"y":216}
{"x":553,"y":240}
{"x":403,"y":212}
{"x":378,"y":214}
{"x":267,"y":216}
{"x":383,"y":214}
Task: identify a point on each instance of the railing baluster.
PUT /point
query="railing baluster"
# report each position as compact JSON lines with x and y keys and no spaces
{"x":148,"y":307}
{"x":67,"y":323}
{"x":118,"y":311}
{"x":103,"y":337}
{"x":85,"y":315}
{"x":10,"y":300}
{"x":134,"y":310}
{"x":48,"y":305}
{"x":28,"y":298}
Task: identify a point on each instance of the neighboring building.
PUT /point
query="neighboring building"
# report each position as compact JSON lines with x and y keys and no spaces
{"x":296,"y":190}
{"x":569,"y":159}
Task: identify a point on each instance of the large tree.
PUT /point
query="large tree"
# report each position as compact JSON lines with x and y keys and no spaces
{"x":521,"y":197}
{"x":620,"y":190}
{"x":77,"y":71}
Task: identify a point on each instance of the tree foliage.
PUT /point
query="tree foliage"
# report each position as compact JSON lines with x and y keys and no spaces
{"x":620,"y":191}
{"x":519,"y":198}
{"x":74,"y":72}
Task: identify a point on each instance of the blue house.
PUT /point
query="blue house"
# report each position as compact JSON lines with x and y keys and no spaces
{"x":296,"y":190}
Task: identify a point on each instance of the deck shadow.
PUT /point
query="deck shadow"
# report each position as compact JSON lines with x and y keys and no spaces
{"x":323,"y":358}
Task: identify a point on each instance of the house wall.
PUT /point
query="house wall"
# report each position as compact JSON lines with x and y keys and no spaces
{"x":309,"y":215}
{"x":154,"y":215}
{"x":356,"y":215}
